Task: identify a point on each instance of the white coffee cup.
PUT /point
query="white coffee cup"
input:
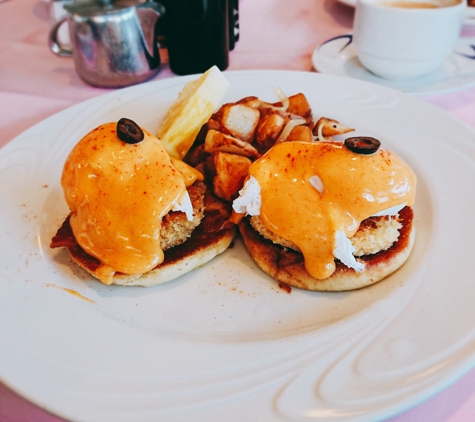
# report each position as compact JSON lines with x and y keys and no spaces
{"x":403,"y":39}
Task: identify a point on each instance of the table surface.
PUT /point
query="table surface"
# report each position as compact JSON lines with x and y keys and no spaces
{"x":275,"y":34}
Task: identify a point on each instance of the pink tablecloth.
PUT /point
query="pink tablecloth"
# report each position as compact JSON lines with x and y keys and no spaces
{"x":275,"y":34}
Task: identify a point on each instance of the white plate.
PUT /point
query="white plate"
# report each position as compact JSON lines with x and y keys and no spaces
{"x":338,"y":56}
{"x":224,"y":342}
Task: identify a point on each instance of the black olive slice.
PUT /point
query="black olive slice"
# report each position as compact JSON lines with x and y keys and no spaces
{"x":129,"y":131}
{"x":362,"y":144}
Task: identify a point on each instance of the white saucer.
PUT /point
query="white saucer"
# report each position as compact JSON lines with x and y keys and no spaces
{"x":337,"y":56}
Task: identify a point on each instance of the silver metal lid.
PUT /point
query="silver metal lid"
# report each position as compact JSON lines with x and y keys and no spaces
{"x":99,"y":7}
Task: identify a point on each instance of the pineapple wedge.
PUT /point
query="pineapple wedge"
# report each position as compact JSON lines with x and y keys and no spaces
{"x":191,"y":110}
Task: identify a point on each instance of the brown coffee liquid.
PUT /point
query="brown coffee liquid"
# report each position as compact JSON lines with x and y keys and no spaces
{"x":411,"y":5}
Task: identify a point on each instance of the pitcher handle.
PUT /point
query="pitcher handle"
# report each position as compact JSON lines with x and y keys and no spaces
{"x":55,"y":44}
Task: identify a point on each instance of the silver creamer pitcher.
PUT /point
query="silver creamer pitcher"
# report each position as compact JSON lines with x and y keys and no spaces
{"x":113,"y":44}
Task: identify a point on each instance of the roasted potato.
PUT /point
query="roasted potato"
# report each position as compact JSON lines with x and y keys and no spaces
{"x":300,"y":133}
{"x":270,"y":126}
{"x":217,"y":141}
{"x":196,"y":155}
{"x":240,"y":121}
{"x":298,"y":106}
{"x":229,"y":172}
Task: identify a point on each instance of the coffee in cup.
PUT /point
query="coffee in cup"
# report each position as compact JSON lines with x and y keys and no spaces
{"x":404,"y":39}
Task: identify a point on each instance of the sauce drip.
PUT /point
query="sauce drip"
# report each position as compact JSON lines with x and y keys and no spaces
{"x":118,"y":194}
{"x":353,"y":187}
{"x":71,"y":292}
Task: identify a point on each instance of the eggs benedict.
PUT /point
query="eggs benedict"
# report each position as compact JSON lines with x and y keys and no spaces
{"x":136,"y":213}
{"x":328,"y":215}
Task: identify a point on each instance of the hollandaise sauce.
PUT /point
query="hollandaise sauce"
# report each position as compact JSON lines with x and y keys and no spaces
{"x":118,"y":194}
{"x":309,"y":191}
